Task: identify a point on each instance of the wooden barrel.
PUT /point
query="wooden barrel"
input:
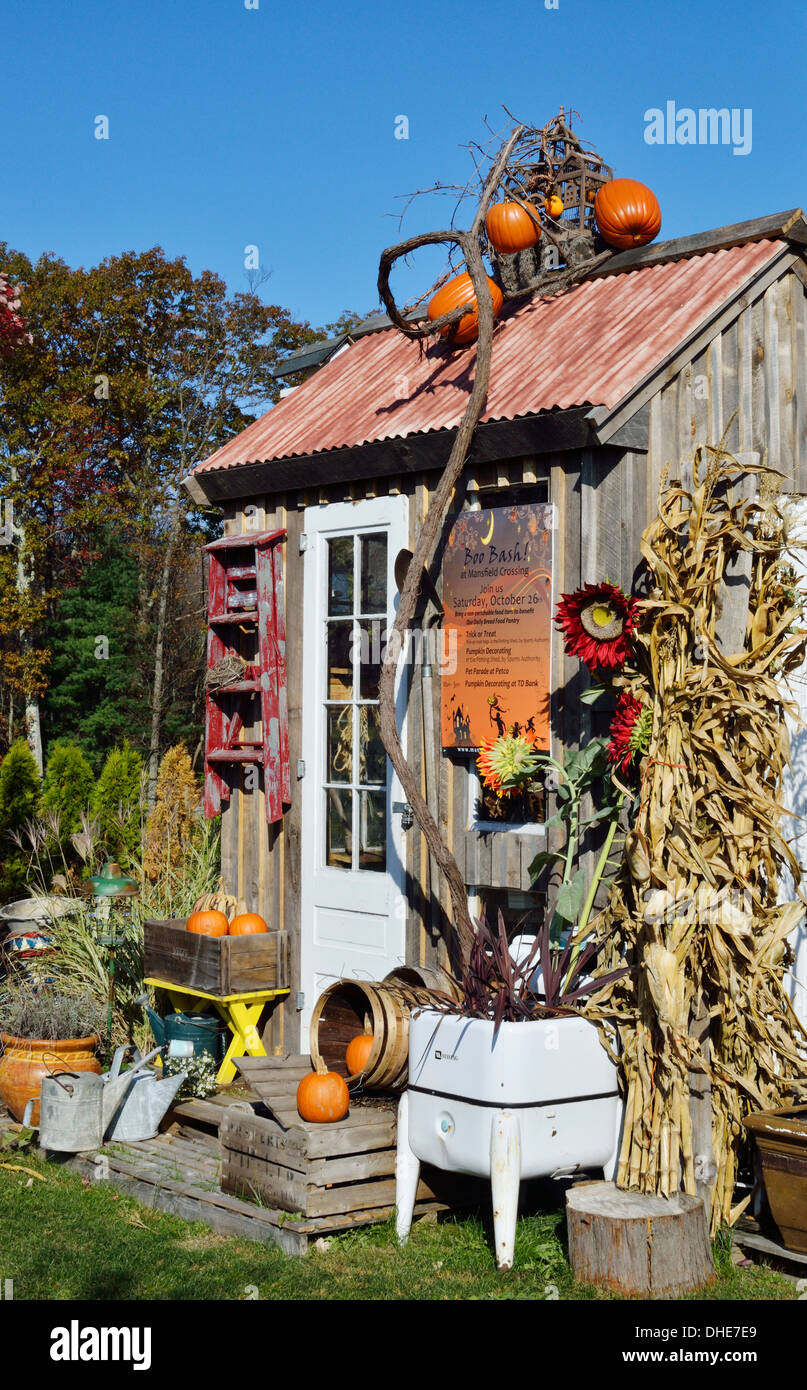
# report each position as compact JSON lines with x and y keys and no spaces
{"x":339,"y":1016}
{"x":424,"y":977}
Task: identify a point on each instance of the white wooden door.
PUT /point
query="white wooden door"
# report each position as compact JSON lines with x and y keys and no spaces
{"x":352,"y":906}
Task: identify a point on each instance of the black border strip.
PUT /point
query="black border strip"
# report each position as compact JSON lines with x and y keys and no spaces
{"x":514,"y":1105}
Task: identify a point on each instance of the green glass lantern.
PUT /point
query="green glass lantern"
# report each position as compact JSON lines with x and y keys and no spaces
{"x":111,"y":883}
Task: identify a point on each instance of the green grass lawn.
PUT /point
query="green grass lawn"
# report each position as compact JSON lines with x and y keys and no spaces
{"x":66,"y":1238}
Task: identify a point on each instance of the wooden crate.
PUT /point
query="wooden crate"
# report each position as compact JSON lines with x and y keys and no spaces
{"x":321,"y":1170}
{"x":216,"y":965}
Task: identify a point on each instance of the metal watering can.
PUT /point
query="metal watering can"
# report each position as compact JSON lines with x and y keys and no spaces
{"x":202,"y":1030}
{"x":136,"y":1112}
{"x":75,"y":1108}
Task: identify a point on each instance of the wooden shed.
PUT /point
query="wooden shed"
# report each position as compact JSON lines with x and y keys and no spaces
{"x":593,"y":393}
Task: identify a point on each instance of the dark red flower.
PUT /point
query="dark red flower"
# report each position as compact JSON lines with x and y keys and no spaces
{"x":598,"y":622}
{"x":630,"y":731}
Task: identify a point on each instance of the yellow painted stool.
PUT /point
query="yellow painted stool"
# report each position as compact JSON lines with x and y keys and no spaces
{"x":239,"y":1011}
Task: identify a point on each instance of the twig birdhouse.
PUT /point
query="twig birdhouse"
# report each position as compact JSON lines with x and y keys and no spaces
{"x":553,"y":171}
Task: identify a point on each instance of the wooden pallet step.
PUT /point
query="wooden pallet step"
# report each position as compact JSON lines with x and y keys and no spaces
{"x":321,"y":1170}
{"x":148,"y":1183}
{"x":197,"y":1112}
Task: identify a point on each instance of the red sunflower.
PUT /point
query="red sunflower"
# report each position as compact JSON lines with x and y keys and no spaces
{"x":630,"y":731}
{"x":598,"y":622}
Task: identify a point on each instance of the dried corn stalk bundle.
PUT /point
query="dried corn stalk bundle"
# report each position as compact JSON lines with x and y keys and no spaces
{"x":694,"y":905}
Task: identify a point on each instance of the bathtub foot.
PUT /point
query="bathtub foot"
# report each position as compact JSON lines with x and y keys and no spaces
{"x":407,"y":1174}
{"x":505,"y":1178}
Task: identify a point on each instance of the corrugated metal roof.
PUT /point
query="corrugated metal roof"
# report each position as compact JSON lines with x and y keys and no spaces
{"x":592,"y":345}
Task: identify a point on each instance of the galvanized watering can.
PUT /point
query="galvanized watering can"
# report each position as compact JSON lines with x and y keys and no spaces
{"x":74,"y":1109}
{"x":145,"y":1100}
{"x":78,"y":1110}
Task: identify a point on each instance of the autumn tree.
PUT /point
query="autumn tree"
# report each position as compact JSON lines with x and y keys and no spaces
{"x":134,"y":372}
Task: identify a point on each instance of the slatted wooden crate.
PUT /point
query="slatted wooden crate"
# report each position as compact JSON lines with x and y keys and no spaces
{"x":216,"y":965}
{"x":321,"y":1170}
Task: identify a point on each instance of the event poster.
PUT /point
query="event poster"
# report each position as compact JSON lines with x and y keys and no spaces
{"x":497,"y":600}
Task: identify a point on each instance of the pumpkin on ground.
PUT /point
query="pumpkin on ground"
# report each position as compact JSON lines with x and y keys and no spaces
{"x":627,"y":213}
{"x":322,"y":1096}
{"x":513,"y":227}
{"x":359,"y":1049}
{"x":209,"y":923}
{"x":554,"y":206}
{"x":460,"y":291}
{"x":247,"y":924}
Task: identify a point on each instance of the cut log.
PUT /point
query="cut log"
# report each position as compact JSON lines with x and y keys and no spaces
{"x":645,"y":1247}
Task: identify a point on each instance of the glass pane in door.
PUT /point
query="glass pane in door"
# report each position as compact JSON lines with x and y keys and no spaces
{"x":355,"y":770}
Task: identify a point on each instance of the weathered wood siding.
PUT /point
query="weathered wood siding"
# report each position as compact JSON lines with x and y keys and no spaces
{"x":755,"y":370}
{"x":604,"y":498}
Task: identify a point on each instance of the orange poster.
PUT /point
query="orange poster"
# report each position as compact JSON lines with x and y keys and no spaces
{"x":497,"y":598}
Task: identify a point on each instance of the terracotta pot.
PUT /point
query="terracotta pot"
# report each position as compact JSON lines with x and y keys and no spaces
{"x":25,"y":1061}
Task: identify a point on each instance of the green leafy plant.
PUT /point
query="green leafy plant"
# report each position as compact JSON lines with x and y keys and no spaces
{"x":116,"y":803}
{"x":19,"y":793}
{"x":68,"y":784}
{"x":17,"y":1140}
{"x":19,"y":786}
{"x":584,"y":771}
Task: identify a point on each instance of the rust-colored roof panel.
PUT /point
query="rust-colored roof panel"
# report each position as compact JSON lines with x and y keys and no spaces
{"x":591,"y":345}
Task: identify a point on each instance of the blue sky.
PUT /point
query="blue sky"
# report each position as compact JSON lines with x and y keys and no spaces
{"x":275,"y":126}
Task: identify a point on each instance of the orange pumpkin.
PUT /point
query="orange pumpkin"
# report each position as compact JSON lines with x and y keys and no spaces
{"x":511,"y":227}
{"x":627,"y":213}
{"x":460,"y":291}
{"x":322,"y":1096}
{"x":554,"y":206}
{"x":359,"y":1049}
{"x":247,"y":924}
{"x":208,"y":923}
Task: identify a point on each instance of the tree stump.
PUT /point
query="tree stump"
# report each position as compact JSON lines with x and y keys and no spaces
{"x":648,"y":1247}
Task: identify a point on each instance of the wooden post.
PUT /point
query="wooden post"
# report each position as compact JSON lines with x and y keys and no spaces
{"x":643,"y":1247}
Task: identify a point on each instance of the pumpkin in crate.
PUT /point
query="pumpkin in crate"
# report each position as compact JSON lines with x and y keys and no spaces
{"x":460,"y":291}
{"x":359,"y":1049}
{"x":322,"y":1096}
{"x":247,"y":924}
{"x":513,"y":227}
{"x":627,"y":213}
{"x":208,"y":923}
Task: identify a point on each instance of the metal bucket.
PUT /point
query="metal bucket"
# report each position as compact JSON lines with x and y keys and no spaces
{"x":71,"y":1117}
